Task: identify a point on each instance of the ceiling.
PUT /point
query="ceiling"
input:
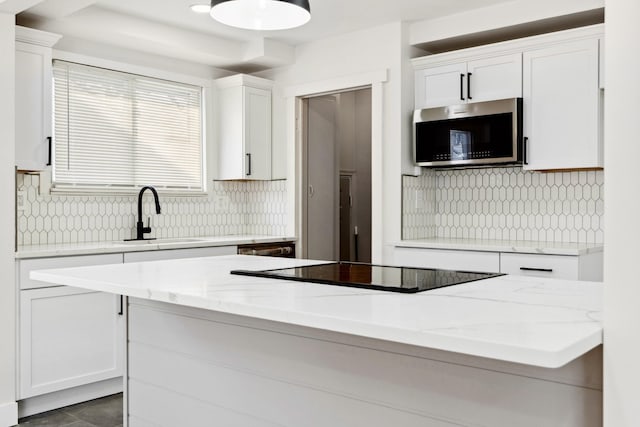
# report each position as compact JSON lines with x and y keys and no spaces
{"x":170,"y":28}
{"x":329,"y":17}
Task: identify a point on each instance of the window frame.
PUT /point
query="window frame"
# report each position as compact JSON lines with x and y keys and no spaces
{"x":207,"y":90}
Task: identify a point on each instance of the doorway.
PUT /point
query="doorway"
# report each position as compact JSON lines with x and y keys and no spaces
{"x":337,"y":176}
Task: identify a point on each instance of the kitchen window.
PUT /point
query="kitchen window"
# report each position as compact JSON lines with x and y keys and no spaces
{"x":115,"y":131}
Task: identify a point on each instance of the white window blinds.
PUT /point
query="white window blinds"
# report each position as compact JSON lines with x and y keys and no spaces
{"x":116,"y":130}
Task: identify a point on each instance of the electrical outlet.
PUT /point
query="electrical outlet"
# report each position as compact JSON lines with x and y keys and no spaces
{"x":222,"y":203}
{"x":418,"y":199}
{"x":20,"y":199}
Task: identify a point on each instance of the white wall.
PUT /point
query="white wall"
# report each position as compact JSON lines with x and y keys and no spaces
{"x":496,"y":16}
{"x":135,"y":58}
{"x":622,"y":211}
{"x":351,"y":54}
{"x":8,"y":409}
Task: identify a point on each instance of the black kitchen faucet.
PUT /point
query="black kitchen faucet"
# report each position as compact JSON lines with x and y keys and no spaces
{"x":140,"y":228}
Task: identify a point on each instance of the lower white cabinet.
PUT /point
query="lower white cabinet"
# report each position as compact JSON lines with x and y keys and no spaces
{"x":582,"y":267}
{"x":70,"y":340}
{"x":179,"y":253}
{"x":488,"y":262}
{"x":572,"y":267}
{"x":25,"y":266}
{"x":68,"y":337}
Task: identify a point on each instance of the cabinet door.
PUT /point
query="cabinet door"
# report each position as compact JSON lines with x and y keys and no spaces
{"x":231,"y":158}
{"x":68,"y":337}
{"x":257,"y":133}
{"x":550,"y":266}
{"x":601,"y":63}
{"x":33,"y":106}
{"x":25,"y":266}
{"x":441,"y":86}
{"x":179,"y":253}
{"x":488,"y":262}
{"x":494,"y":78}
{"x":562,"y":106}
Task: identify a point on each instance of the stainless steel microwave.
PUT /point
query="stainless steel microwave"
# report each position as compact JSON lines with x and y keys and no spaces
{"x":480,"y":133}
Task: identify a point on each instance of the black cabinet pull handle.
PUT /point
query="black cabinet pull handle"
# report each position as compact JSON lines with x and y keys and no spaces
{"x":49,"y":158}
{"x":525,"y":146}
{"x":461,"y":87}
{"x":249,"y":167}
{"x":121,"y":311}
{"x":469,"y":85}
{"x":545,"y":270}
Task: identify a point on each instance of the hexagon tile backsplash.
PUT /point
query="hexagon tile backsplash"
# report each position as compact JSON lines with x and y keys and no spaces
{"x":504,"y":203}
{"x":251,"y":207}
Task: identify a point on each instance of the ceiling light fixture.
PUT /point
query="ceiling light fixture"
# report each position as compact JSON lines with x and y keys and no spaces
{"x":200,"y":8}
{"x":261,"y":14}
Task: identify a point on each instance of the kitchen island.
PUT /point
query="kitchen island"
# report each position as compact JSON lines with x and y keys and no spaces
{"x":206,"y":348}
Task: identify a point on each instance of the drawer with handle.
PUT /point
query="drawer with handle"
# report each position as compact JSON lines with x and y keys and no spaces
{"x":553,"y":266}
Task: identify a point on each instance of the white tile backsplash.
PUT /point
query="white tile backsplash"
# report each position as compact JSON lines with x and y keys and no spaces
{"x":505,"y":203}
{"x":418,"y":205}
{"x":231,"y":207}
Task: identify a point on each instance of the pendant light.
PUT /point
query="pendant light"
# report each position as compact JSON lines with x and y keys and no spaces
{"x":261,"y":14}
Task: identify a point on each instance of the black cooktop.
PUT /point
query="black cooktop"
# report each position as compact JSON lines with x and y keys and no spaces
{"x":368,"y":276}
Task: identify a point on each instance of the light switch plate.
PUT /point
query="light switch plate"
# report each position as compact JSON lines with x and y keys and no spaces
{"x":21,"y":196}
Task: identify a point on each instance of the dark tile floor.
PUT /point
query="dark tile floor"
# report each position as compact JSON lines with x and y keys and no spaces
{"x":105,"y":412}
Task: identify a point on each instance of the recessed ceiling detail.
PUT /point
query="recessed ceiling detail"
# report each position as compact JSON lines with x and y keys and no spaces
{"x":171,"y":29}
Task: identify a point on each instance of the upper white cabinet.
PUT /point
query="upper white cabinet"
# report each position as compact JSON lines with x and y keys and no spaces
{"x":601,"y":64}
{"x":440,"y":86}
{"x":485,"y":79}
{"x":562,"y":106}
{"x":244,"y":128}
{"x":560,"y":77}
{"x":33,"y":96}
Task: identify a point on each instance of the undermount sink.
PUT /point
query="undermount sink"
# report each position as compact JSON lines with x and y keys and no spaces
{"x":162,"y":241}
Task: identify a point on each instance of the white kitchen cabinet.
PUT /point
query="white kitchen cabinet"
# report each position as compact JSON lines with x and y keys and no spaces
{"x":571,"y":267}
{"x":440,"y":86}
{"x":179,"y":253}
{"x":33,"y":86}
{"x":562,"y":107}
{"x":601,"y":62}
{"x":244,"y":128}
{"x":68,"y":337}
{"x":484,"y":79}
{"x":488,"y":262}
{"x":25,"y":266}
{"x":582,"y":267}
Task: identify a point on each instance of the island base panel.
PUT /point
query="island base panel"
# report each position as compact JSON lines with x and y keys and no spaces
{"x":194,"y":367}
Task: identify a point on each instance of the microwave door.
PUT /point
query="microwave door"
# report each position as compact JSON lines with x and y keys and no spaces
{"x":481,"y":133}
{"x":460,"y":142}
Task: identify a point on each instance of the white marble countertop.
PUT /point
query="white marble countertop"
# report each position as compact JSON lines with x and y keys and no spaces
{"x":68,"y":249}
{"x":533,"y":321}
{"x":515,"y":246}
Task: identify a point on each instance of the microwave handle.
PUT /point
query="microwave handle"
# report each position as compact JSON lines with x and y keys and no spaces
{"x":461,"y":87}
{"x":525,"y":144}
